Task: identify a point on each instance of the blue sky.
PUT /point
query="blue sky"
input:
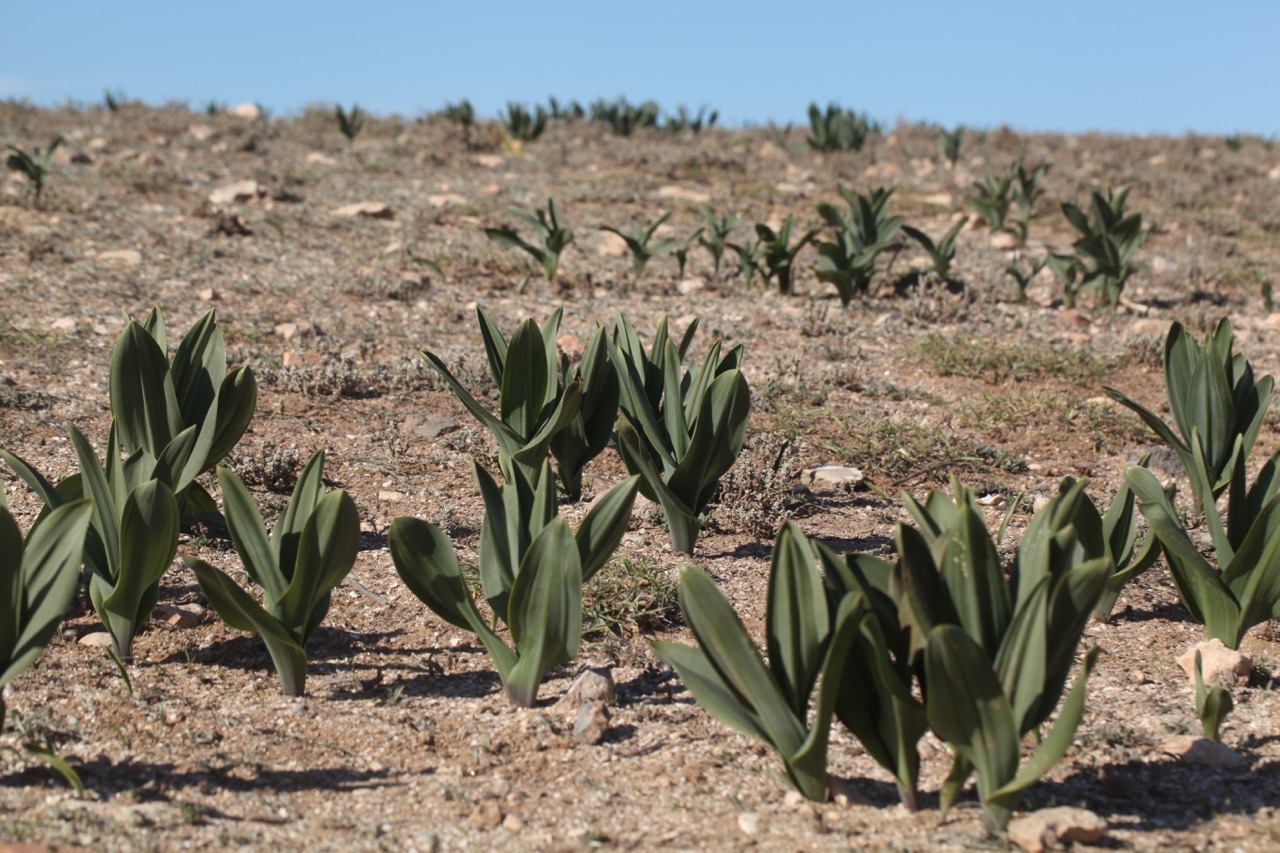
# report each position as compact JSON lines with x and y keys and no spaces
{"x":1124,"y":66}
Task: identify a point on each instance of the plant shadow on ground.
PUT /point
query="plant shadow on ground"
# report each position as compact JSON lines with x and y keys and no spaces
{"x":1162,"y":795}
{"x":1168,"y":612}
{"x":141,"y":779}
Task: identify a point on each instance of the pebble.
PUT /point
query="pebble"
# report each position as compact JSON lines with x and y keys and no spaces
{"x":238,"y":191}
{"x":179,"y":615}
{"x":486,"y":815}
{"x":97,"y":638}
{"x":749,"y":822}
{"x":832,"y":477}
{"x":120,"y":257}
{"x":592,"y":723}
{"x":593,"y":685}
{"x":1204,"y":752}
{"x":1004,"y":241}
{"x":366,"y":210}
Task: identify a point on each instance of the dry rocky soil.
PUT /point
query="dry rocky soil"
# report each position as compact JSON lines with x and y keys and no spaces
{"x":404,"y":739}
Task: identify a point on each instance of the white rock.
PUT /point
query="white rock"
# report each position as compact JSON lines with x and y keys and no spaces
{"x":389,"y":495}
{"x":691,"y":285}
{"x":1218,"y":664}
{"x":831,"y":477}
{"x":1049,"y":829}
{"x":179,"y":615}
{"x":120,"y":257}
{"x":97,"y":638}
{"x":250,"y":111}
{"x":316,"y":158}
{"x":1004,"y":241}
{"x":489,"y":161}
{"x":64,"y":324}
{"x":749,"y":822}
{"x":445,"y":199}
{"x":201,"y":132}
{"x":592,"y":723}
{"x":940,"y":199}
{"x":594,"y":685}
{"x":239,"y":191}
{"x":1274,"y":174}
{"x":367,"y":209}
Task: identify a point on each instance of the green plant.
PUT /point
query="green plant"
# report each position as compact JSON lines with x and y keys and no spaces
{"x":839,"y":129}
{"x":717,"y":233}
{"x":684,"y":120}
{"x":37,"y":582}
{"x":461,"y":113}
{"x":155,"y":401}
{"x":992,"y":201}
{"x":942,"y":253}
{"x":37,"y":165}
{"x":808,"y":639}
{"x":133,"y":534}
{"x":862,"y":233}
{"x":572,"y":111}
{"x":310,"y":551}
{"x":1109,"y":239}
{"x":1213,"y":703}
{"x":640,"y":243}
{"x":113,"y":99}
{"x":1117,"y":533}
{"x":1023,"y":277}
{"x":350,"y":123}
{"x":779,"y":253}
{"x":1070,"y":274}
{"x":949,"y":142}
{"x":551,"y":235}
{"x":535,"y":398}
{"x":680,"y":430}
{"x":749,"y":257}
{"x":623,"y":117}
{"x":681,"y":252}
{"x":522,"y":126}
{"x":532,"y":570}
{"x":997,"y":647}
{"x":1026,"y":191}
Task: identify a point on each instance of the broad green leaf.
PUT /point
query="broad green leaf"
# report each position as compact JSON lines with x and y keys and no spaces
{"x":601,"y":530}
{"x":326,"y":552}
{"x":526,"y":381}
{"x":148,"y":542}
{"x":545,"y":610}
{"x":106,"y":522}
{"x":797,"y":620}
{"x":249,"y":535}
{"x":307,"y":493}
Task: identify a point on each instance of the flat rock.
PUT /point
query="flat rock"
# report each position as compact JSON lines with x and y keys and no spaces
{"x":749,"y":822}
{"x":317,"y":158}
{"x":367,"y":210}
{"x":680,"y":193}
{"x":238,"y":191}
{"x":593,"y":685}
{"x":445,"y":199}
{"x":434,"y":426}
{"x":1204,"y":752}
{"x":489,"y":161}
{"x":831,"y":477}
{"x":64,"y":324}
{"x":1218,"y":664}
{"x":691,"y":285}
{"x":96,"y":638}
{"x":940,"y":199}
{"x":1049,"y":829}
{"x":120,"y":258}
{"x":486,"y":815}
{"x":1004,"y":242}
{"x":1073,"y":319}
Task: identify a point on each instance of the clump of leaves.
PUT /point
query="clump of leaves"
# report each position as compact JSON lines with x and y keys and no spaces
{"x":36,"y":165}
{"x":460,"y":113}
{"x":349,"y":122}
{"x":1023,"y":276}
{"x":523,"y":126}
{"x":552,"y":236}
{"x":623,"y":117}
{"x":681,"y":430}
{"x":640,"y":243}
{"x":942,"y":253}
{"x":949,"y":142}
{"x":684,"y":120}
{"x":532,"y":570}
{"x":681,"y":252}
{"x":1026,"y":191}
{"x":1218,"y":409}
{"x":114,"y":99}
{"x":749,"y":256}
{"x":1070,"y":273}
{"x":992,"y":199}
{"x":310,"y":551}
{"x":571,"y":111}
{"x":716,"y":234}
{"x":808,"y":640}
{"x":779,"y":253}
{"x":862,"y":232}
{"x":1108,"y":242}
{"x":839,"y":129}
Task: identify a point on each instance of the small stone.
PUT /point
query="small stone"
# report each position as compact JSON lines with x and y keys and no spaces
{"x":445,"y":199}
{"x":845,"y":794}
{"x":201,"y":132}
{"x":486,"y":815}
{"x":179,"y":615}
{"x":1159,"y":265}
{"x":317,"y":158}
{"x":685,"y":194}
{"x":792,"y":798}
{"x":610,"y":245}
{"x":209,"y":295}
{"x":239,"y":191}
{"x":749,"y":822}
{"x":571,"y":345}
{"x":1048,"y":829}
{"x":288,"y":331}
{"x":1274,"y":174}
{"x":1148,"y":327}
{"x":511,"y":823}
{"x":594,"y":685}
{"x":366,"y":210}
{"x":250,"y":111}
{"x":592,"y":723}
{"x":1004,"y":242}
{"x":434,"y":426}
{"x":939,"y":199}
{"x":832,"y":477}
{"x":64,"y":324}
{"x":690,"y":285}
{"x":1204,"y":752}
{"x":96,"y":638}
{"x":1218,"y":664}
{"x":389,"y":495}
{"x":489,"y":161}
{"x":120,"y":257}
